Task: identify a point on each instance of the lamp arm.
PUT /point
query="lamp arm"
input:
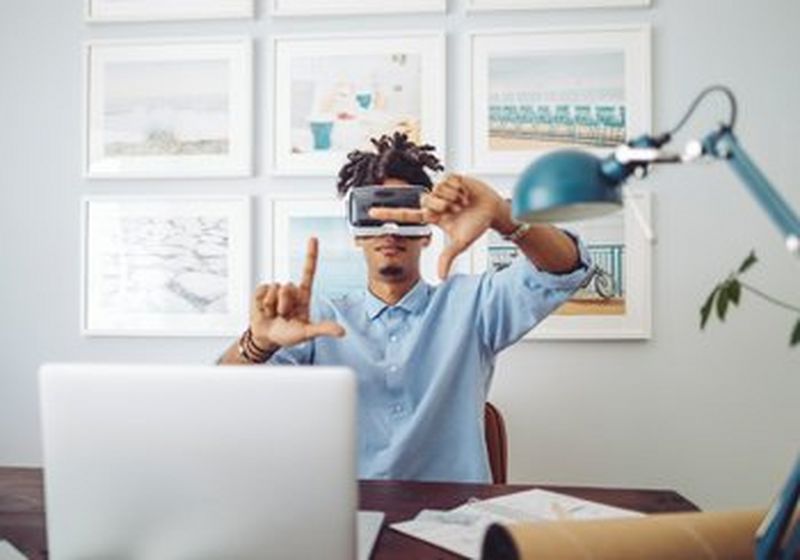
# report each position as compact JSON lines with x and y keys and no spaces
{"x":647,"y":231}
{"x":723,"y":144}
{"x":776,"y":523}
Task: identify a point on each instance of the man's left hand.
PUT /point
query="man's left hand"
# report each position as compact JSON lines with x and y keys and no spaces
{"x":463,"y":207}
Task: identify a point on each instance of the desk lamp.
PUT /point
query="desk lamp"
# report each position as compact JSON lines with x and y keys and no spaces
{"x":569,"y":185}
{"x":572,"y":185}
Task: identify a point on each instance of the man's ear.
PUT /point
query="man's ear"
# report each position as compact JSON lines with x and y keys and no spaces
{"x":426,"y":241}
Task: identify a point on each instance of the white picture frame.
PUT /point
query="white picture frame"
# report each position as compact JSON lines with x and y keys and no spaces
{"x":534,"y":91}
{"x":293,"y":219}
{"x":620,"y":244}
{"x":282,"y":8}
{"x":165,"y":265}
{"x":329,"y":97}
{"x":168,"y":108}
{"x":96,"y":11}
{"x":492,"y":5}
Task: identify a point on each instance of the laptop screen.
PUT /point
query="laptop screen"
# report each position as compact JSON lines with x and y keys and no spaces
{"x":168,"y":461}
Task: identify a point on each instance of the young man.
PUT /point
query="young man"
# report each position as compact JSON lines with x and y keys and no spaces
{"x":423,"y":355}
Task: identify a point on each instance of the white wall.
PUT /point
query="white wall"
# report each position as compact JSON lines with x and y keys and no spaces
{"x":713,"y":415}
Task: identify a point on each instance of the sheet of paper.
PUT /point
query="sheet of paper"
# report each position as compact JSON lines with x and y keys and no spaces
{"x":461,"y":530}
{"x":8,"y":552}
{"x":369,"y":526}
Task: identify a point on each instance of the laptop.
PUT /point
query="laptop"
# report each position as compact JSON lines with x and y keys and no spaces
{"x":201,"y":462}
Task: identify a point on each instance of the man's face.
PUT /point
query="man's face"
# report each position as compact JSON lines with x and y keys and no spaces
{"x":391,"y":258}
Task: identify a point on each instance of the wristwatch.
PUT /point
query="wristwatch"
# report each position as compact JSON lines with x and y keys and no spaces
{"x":518,"y":233}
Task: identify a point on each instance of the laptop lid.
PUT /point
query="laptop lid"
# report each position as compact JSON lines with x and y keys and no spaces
{"x":218,"y":462}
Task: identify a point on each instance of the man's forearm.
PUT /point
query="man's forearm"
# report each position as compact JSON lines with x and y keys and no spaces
{"x":547,"y":247}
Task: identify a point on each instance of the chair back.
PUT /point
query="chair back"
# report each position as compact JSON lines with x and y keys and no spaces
{"x":496,"y":443}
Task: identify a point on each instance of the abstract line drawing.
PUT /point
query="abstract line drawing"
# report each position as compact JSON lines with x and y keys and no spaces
{"x":170,"y":264}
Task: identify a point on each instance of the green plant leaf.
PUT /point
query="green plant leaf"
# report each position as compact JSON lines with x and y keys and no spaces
{"x":795,"y":334}
{"x":722,"y":304}
{"x":748,"y":262}
{"x":705,"y":311}
{"x":734,"y":291}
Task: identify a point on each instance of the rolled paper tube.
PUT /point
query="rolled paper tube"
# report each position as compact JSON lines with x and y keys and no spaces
{"x":725,"y":535}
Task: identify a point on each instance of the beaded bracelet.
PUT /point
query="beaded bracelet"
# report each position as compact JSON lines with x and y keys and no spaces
{"x":249,"y":350}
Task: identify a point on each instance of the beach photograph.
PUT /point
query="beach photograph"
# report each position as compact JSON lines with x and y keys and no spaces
{"x":605,"y":241}
{"x":166,"y":108}
{"x":339,"y":102}
{"x":556,"y":100}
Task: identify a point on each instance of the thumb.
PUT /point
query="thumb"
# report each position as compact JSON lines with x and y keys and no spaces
{"x":446,"y":259}
{"x":324,"y":328}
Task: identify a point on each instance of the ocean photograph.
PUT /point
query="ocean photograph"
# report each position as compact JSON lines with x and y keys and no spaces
{"x":166,"y":109}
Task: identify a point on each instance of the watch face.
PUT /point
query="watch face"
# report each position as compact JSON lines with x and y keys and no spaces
{"x":519,"y":231}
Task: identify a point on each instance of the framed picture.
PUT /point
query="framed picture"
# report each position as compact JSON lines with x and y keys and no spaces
{"x":165,"y":266}
{"x":335,"y":7}
{"x":156,"y":10}
{"x":536,"y":91}
{"x":163,"y":108}
{"x":341,"y":268}
{"x":616,"y":303}
{"x":332,"y":94}
{"x":487,"y":5}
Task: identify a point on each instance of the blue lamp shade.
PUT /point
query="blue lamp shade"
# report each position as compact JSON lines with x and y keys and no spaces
{"x":564,"y":186}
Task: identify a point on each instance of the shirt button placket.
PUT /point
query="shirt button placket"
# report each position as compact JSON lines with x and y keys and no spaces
{"x":393,"y":356}
{"x":393,"y":377}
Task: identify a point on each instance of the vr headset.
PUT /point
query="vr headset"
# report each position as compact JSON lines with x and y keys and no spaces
{"x":359,"y":201}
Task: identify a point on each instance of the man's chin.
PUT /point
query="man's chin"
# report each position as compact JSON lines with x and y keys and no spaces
{"x":391,"y":272}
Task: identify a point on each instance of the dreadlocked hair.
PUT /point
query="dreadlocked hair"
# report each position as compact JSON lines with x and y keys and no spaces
{"x":397,"y":157}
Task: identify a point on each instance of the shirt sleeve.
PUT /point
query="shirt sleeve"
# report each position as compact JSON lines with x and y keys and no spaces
{"x":299,"y":354}
{"x":513,"y":300}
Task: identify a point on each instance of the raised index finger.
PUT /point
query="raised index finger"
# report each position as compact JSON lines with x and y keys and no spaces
{"x":310,"y":267}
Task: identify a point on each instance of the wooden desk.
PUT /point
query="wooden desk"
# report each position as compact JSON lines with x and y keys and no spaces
{"x":22,"y":520}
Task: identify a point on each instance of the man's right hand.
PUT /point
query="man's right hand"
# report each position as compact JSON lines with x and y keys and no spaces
{"x":280,"y":313}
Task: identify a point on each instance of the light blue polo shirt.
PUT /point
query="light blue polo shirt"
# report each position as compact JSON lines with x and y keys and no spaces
{"x":425,"y":364}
